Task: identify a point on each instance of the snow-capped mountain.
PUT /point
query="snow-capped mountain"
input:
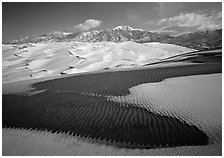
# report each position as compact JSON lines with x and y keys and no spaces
{"x":117,"y":34}
{"x":125,"y":28}
{"x":122,"y":34}
{"x":49,"y":37}
{"x":197,"y":40}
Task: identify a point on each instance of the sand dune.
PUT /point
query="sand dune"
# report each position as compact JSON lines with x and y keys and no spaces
{"x":59,"y":58}
{"x":82,"y":106}
{"x":158,"y":112}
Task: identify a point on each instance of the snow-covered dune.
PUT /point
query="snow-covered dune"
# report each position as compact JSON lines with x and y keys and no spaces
{"x":40,"y":60}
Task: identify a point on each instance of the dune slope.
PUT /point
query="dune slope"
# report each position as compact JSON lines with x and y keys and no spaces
{"x":29,"y":61}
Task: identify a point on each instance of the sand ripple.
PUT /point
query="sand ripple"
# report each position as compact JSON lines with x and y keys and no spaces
{"x":195,"y":100}
{"x":80,"y":105}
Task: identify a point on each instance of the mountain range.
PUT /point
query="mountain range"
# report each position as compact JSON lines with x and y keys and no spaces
{"x":205,"y":40}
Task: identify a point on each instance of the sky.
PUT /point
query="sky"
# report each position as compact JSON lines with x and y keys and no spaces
{"x":21,"y":19}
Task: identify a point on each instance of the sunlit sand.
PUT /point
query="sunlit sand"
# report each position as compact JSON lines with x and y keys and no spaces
{"x":29,"y":61}
{"x":97,"y":74}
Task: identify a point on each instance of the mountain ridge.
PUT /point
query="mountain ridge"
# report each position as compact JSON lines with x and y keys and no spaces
{"x":203,"y":40}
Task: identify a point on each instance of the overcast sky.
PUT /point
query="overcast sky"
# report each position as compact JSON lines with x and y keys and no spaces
{"x":25,"y":19}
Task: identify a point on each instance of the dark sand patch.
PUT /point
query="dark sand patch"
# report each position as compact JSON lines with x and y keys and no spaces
{"x":78,"y":104}
{"x":118,"y":82}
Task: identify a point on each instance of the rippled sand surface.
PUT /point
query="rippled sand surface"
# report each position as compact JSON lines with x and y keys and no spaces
{"x":194,"y":99}
{"x":104,"y":107}
{"x":169,"y":107}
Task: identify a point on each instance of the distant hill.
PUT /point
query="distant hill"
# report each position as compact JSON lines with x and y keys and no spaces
{"x":198,"y":40}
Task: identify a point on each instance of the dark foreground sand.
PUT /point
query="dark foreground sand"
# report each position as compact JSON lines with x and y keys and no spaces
{"x":80,"y":105}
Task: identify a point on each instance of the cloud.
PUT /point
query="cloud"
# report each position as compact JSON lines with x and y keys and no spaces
{"x":201,"y":21}
{"x":153,"y":10}
{"x":88,"y":24}
{"x":165,"y":9}
{"x":190,"y":22}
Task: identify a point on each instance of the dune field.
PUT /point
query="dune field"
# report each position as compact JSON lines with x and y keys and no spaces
{"x":30,"y":61}
{"x":111,"y":99}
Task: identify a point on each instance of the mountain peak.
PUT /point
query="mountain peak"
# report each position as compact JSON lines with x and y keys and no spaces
{"x":127,"y":28}
{"x":59,"y":33}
